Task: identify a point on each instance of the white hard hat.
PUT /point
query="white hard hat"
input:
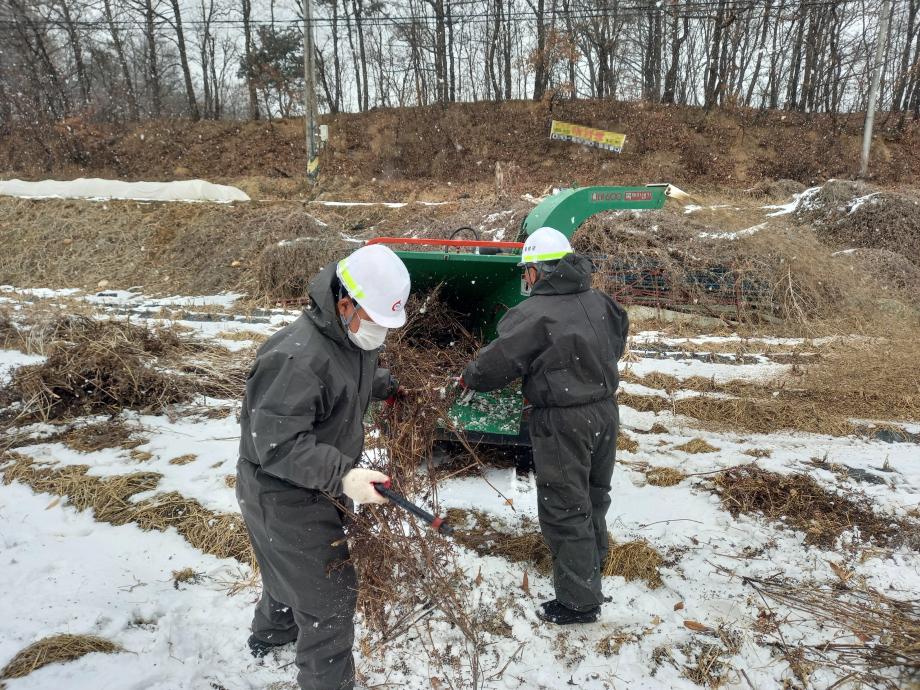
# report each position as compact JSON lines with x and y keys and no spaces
{"x":378,"y":281}
{"x":545,"y":244}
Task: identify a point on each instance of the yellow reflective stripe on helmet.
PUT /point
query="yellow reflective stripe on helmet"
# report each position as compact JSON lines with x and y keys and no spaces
{"x":537,"y":258}
{"x":351,"y":284}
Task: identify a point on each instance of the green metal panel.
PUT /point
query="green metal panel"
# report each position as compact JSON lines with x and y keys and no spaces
{"x":481,"y":285}
{"x":497,"y":413}
{"x":568,"y":209}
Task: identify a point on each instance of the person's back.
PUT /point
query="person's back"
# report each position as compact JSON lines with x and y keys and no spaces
{"x":564,"y":341}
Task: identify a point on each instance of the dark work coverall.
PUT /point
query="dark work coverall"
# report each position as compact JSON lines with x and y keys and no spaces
{"x":301,"y":431}
{"x":565,"y":341}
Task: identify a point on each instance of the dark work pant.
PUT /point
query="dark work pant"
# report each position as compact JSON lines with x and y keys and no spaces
{"x":309,"y":589}
{"x":574,"y":451}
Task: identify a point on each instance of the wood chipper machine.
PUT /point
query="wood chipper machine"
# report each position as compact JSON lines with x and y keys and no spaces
{"x":481,"y":279}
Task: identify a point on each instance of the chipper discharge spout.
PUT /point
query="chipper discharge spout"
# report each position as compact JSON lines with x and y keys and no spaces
{"x":482,"y":279}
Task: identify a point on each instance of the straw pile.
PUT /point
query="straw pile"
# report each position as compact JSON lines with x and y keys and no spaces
{"x":664,"y":476}
{"x":800,"y":502}
{"x":54,"y":650}
{"x":106,"y":366}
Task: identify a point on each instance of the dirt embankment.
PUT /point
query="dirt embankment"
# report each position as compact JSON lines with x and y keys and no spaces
{"x":462,"y":143}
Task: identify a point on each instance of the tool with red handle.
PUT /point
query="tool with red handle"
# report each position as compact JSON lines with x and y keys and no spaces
{"x":436,"y":523}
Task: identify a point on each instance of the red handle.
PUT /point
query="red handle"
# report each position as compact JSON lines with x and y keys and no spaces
{"x":445,"y":243}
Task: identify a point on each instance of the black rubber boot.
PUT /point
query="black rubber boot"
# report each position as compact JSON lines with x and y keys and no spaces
{"x":259,"y":649}
{"x":560,"y":614}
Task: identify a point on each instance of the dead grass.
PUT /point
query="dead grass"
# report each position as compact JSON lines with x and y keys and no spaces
{"x":634,"y":560}
{"x":668,"y":260}
{"x":284,"y":270}
{"x":794,"y":411}
{"x":523,"y":543}
{"x":800,"y":502}
{"x":626,"y":442}
{"x":54,"y":650}
{"x":243,"y":336}
{"x":183,"y":459}
{"x":185,"y":576}
{"x":106,"y":366}
{"x":487,"y":536}
{"x":90,"y":438}
{"x":759,"y":452}
{"x":220,"y":534}
{"x":664,"y":476}
{"x":880,"y":645}
{"x":230,"y":481}
{"x":697,"y":445}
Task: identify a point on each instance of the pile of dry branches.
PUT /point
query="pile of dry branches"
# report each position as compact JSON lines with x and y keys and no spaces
{"x":407,"y":571}
{"x":882,"y":649}
{"x":105,"y":366}
{"x":799,"y":501}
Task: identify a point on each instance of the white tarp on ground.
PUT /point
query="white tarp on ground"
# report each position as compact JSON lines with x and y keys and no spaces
{"x":94,"y":188}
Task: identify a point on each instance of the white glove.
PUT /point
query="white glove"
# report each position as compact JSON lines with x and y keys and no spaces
{"x":356,"y":484}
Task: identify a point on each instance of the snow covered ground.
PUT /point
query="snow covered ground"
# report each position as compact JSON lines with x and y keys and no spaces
{"x":65,"y":572}
{"x":95,"y":189}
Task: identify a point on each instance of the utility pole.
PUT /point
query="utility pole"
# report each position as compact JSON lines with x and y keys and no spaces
{"x":880,"y":42}
{"x":309,"y":86}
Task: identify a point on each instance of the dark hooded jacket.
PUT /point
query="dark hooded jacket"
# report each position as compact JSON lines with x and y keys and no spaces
{"x":564,"y":341}
{"x":306,"y":395}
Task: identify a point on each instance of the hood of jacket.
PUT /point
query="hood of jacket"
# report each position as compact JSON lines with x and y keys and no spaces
{"x":322,"y":310}
{"x":571,"y":275}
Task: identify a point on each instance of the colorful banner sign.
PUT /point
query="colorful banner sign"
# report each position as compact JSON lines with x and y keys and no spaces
{"x":566,"y":131}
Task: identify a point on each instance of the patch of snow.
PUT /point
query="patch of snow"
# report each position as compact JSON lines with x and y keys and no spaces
{"x":732,"y":235}
{"x":41,"y":293}
{"x":388,"y":204}
{"x":799,"y":201}
{"x":859,"y":201}
{"x":95,"y":189}
{"x":13,"y":359}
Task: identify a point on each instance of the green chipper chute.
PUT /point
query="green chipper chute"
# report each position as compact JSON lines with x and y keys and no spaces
{"x":482,"y":279}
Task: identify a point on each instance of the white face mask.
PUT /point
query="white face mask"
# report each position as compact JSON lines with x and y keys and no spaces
{"x":369,"y":336}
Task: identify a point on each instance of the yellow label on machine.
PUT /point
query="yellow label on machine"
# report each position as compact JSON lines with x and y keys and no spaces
{"x":566,"y":131}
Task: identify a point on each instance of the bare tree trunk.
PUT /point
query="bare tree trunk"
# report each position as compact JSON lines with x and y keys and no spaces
{"x":539,"y":77}
{"x":247,"y":47}
{"x":75,"y":46}
{"x":762,"y":45}
{"x":133,"y":109}
{"x":507,"y":50}
{"x":903,"y":77}
{"x":715,"y":54}
{"x":452,"y":94}
{"x":493,"y":42}
{"x":792,"y":90}
{"x":183,"y":61}
{"x":153,"y":71}
{"x":358,"y":10}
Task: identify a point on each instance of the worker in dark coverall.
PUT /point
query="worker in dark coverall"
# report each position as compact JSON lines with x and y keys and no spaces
{"x":564,"y":341}
{"x":301,"y":434}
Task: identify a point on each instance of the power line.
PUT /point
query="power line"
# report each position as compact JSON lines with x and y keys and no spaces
{"x":691,"y":10}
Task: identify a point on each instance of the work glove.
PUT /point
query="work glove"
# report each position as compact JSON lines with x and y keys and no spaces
{"x":397,"y":397}
{"x":357,"y":484}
